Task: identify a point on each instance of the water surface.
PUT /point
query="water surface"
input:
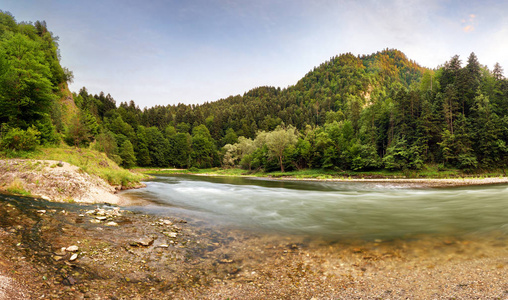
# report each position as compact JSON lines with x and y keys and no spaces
{"x":331,"y":209}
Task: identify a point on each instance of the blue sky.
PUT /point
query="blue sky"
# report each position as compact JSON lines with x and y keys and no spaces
{"x":159,"y":52}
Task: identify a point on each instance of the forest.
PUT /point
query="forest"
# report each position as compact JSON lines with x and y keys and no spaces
{"x":353,"y":112}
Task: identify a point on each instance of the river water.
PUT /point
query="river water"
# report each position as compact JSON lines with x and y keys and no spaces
{"x":330,"y":210}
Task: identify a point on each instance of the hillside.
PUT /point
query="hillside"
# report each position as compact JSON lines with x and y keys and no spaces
{"x":351,"y":113}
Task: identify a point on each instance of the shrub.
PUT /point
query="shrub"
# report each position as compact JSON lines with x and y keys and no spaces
{"x":19,"y":139}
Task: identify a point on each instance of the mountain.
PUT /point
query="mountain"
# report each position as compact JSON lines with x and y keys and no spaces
{"x":374,"y":111}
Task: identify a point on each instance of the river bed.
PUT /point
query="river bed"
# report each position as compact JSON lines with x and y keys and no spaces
{"x":238,"y":238}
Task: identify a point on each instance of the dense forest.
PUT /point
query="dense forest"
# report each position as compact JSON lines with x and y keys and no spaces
{"x":368,"y":112}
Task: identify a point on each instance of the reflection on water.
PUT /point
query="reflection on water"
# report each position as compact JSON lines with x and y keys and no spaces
{"x":332,"y":209}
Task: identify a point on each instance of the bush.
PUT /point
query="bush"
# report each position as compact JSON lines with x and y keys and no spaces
{"x":19,"y":139}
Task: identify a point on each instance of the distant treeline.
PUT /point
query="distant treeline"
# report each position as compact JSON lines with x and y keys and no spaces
{"x":350,"y":113}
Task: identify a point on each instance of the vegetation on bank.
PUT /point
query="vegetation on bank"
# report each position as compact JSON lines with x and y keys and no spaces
{"x":427,"y":172}
{"x":90,"y":161}
{"x":370,"y":114}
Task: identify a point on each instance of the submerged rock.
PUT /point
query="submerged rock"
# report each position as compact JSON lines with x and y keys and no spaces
{"x":145,"y":241}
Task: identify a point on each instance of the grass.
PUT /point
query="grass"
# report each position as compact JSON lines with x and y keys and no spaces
{"x":16,"y":187}
{"x":89,"y":161}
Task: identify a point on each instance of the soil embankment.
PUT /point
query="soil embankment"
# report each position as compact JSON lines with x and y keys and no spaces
{"x":55,"y":181}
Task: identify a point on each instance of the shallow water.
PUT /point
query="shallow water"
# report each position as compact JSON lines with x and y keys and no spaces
{"x":331,"y":209}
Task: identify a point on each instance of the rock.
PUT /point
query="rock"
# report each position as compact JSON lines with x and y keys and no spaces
{"x":112,"y":223}
{"x":72,"y":248}
{"x":171,"y":234}
{"x":163,"y":246}
{"x":73,"y":257}
{"x":100,"y":212}
{"x":57,"y":257}
{"x":102,"y":218}
{"x":145,"y":241}
{"x":41,"y":211}
{"x":167,"y":222}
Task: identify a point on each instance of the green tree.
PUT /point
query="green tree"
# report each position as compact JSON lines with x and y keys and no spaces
{"x":25,"y":81}
{"x":127,"y":155}
{"x":279,"y":140}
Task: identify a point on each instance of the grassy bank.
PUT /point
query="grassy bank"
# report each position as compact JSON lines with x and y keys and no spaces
{"x":428,"y":172}
{"x":90,"y":161}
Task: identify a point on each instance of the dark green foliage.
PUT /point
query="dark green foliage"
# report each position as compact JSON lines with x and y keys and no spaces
{"x":127,"y":155}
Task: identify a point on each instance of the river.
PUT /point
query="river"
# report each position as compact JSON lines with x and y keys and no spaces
{"x":330,"y":210}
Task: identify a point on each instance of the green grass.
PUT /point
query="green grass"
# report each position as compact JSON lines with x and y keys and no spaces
{"x":16,"y":187}
{"x":89,"y":161}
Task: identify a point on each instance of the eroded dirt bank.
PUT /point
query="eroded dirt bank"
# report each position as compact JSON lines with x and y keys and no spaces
{"x":125,"y":255}
{"x":55,"y":181}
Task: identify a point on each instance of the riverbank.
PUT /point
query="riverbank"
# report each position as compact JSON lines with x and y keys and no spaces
{"x":411,"y":182}
{"x":55,"y":181}
{"x":66,"y":251}
{"x":393,"y":180}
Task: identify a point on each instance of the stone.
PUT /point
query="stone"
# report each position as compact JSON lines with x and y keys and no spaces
{"x":112,"y":223}
{"x":171,"y":234}
{"x":102,"y":218}
{"x":72,"y":248}
{"x":145,"y":241}
{"x":73,"y":257}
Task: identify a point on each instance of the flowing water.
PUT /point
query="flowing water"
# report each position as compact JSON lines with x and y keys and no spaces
{"x":331,"y":210}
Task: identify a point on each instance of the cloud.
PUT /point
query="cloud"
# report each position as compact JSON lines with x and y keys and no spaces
{"x":469,"y":24}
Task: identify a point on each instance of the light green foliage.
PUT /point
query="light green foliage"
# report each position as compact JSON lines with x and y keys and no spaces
{"x":278,"y":141}
{"x":19,"y":139}
{"x":25,"y":80}
{"x":230,"y":155}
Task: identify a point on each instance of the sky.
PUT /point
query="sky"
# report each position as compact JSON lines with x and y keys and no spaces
{"x":160,"y":52}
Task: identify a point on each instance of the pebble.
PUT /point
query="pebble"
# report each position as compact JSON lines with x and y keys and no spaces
{"x":112,"y":223}
{"x":72,"y":248}
{"x":171,"y":234}
{"x":73,"y":257}
{"x":101,"y":218}
{"x":146,"y":241}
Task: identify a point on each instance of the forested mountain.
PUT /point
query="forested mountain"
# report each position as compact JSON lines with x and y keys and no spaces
{"x":350,"y":113}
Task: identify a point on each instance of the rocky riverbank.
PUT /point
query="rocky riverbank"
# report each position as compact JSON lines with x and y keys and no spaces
{"x":71,"y":250}
{"x":68,"y":251}
{"x":412,"y":182}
